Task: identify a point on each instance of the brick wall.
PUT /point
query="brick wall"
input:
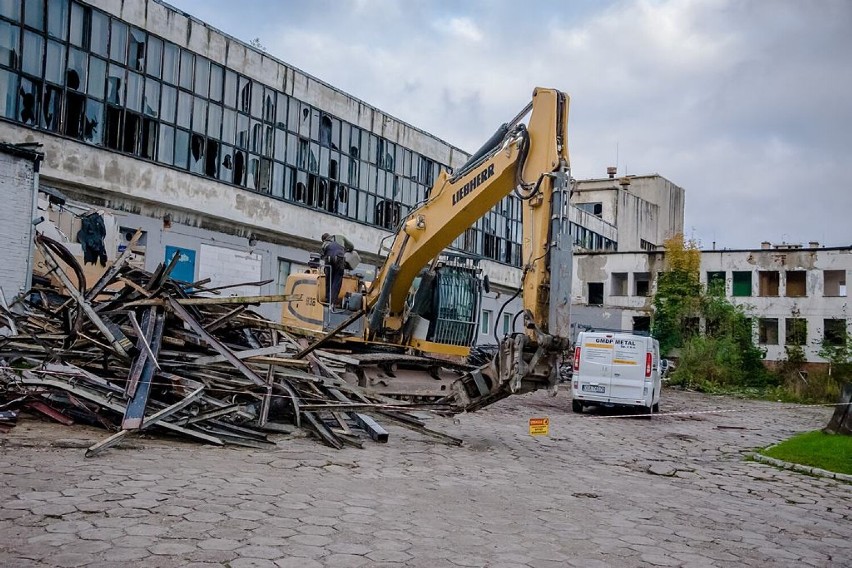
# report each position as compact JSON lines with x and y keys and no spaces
{"x":16,"y":195}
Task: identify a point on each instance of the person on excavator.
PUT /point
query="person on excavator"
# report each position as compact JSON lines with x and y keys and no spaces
{"x":334,"y":256}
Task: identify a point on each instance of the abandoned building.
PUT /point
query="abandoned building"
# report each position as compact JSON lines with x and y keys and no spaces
{"x":795,"y":295}
{"x":239,"y":162}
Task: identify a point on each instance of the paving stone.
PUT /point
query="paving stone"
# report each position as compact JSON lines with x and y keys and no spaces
{"x":171,"y":548}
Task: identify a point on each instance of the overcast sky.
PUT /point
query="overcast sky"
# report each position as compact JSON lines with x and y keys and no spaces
{"x":747,"y":105}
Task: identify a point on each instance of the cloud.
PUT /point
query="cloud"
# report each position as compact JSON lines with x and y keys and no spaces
{"x":463,"y":28}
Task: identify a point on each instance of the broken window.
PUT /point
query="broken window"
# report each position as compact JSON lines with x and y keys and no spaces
{"x":796,"y":283}
{"x":268,"y":105}
{"x":148,"y":143}
{"x":387,"y":214}
{"x":75,"y":73}
{"x":835,"y":332}
{"x":834,"y":283}
{"x":596,"y":293}
{"x":115,"y":85}
{"x":619,"y":284}
{"x":642,"y":324}
{"x":768,"y":282}
{"x":767,"y":331}
{"x":132,"y":132}
{"x":797,"y":331}
{"x":136,"y":50}
{"x":151,"y":101}
{"x":113,"y":128}
{"x":51,"y":108}
{"x":642,"y":283}
{"x":239,"y":170}
{"x":490,"y":244}
{"x":197,"y":163}
{"x":245,"y":95}
{"x":75,"y":109}
{"x":741,"y":284}
{"x":325,"y":131}
{"x":29,"y":95}
{"x":93,"y":130}
{"x":593,"y":208}
{"x":135,"y":91}
{"x":242,"y":131}
{"x":716,"y":283}
{"x":226,"y":164}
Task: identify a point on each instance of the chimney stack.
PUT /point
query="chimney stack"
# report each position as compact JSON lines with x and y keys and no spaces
{"x":611,"y":171}
{"x":765,"y":245}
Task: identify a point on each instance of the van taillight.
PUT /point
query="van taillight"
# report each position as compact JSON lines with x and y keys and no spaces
{"x":576,"y":359}
{"x":648,"y":360}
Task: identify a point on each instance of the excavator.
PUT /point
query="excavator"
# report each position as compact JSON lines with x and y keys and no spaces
{"x":408,"y":333}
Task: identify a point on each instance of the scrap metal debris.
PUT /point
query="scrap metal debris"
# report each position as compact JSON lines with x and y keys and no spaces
{"x":139,"y":352}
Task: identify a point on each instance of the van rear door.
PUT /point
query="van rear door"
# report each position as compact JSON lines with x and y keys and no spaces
{"x":628,"y":369}
{"x":596,"y":352}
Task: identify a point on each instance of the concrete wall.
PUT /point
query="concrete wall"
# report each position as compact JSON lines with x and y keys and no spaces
{"x":17,"y":175}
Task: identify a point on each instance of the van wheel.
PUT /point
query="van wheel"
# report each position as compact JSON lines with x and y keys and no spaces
{"x":577,"y":406}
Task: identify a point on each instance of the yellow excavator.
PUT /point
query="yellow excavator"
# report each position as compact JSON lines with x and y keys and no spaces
{"x":409,"y":332}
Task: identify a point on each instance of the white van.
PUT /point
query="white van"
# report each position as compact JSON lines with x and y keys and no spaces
{"x":616,"y":369}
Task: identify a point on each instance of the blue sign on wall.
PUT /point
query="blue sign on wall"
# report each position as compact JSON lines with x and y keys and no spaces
{"x":185,"y":268}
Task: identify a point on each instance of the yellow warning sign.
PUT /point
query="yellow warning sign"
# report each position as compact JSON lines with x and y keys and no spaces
{"x":540,"y":426}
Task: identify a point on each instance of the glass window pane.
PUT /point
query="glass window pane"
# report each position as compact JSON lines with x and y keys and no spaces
{"x":28,"y":97}
{"x":99,"y":33}
{"x":184,"y":109}
{"x":11,"y":9}
{"x":199,"y":114}
{"x":268,"y":105}
{"x":135,"y":85}
{"x":8,"y":94}
{"x":152,"y":97}
{"x":75,"y":75}
{"x":202,"y":76}
{"x":245,"y":95}
{"x":92,"y":123}
{"x":226,"y":163}
{"x":34,"y":13}
{"x":281,"y":111}
{"x":55,"y":62}
{"x":33,"y":53}
{"x":168,"y":103}
{"x":230,"y":88}
{"x":153,"y":59}
{"x":229,"y":118}
{"x":51,"y":108}
{"x":242,"y":131}
{"x":181,"y":148}
{"x":118,"y":42}
{"x":136,"y":52}
{"x":97,"y":77}
{"x":170,"y":63}
{"x":166,"y":145}
{"x":115,"y":85}
{"x":78,"y":22}
{"x":10,"y":51}
{"x":186,"y":69}
{"x":57,"y":18}
{"x":214,"y":120}
{"x":216,"y":78}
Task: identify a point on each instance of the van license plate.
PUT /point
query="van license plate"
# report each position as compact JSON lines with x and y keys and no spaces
{"x":593,"y":388}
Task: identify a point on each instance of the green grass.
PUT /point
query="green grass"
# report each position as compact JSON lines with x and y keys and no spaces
{"x":832,"y":452}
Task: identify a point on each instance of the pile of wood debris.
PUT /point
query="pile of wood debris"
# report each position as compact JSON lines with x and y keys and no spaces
{"x":139,"y":351}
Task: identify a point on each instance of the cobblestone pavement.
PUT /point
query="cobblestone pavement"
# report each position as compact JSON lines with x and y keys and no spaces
{"x":600,"y":491}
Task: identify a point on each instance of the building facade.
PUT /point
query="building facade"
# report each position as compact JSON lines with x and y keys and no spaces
{"x":795,"y":295}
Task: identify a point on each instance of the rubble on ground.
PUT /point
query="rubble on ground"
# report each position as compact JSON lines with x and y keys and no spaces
{"x":143,"y":352}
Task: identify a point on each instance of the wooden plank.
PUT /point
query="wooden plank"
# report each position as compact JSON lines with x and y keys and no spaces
{"x":135,"y":412}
